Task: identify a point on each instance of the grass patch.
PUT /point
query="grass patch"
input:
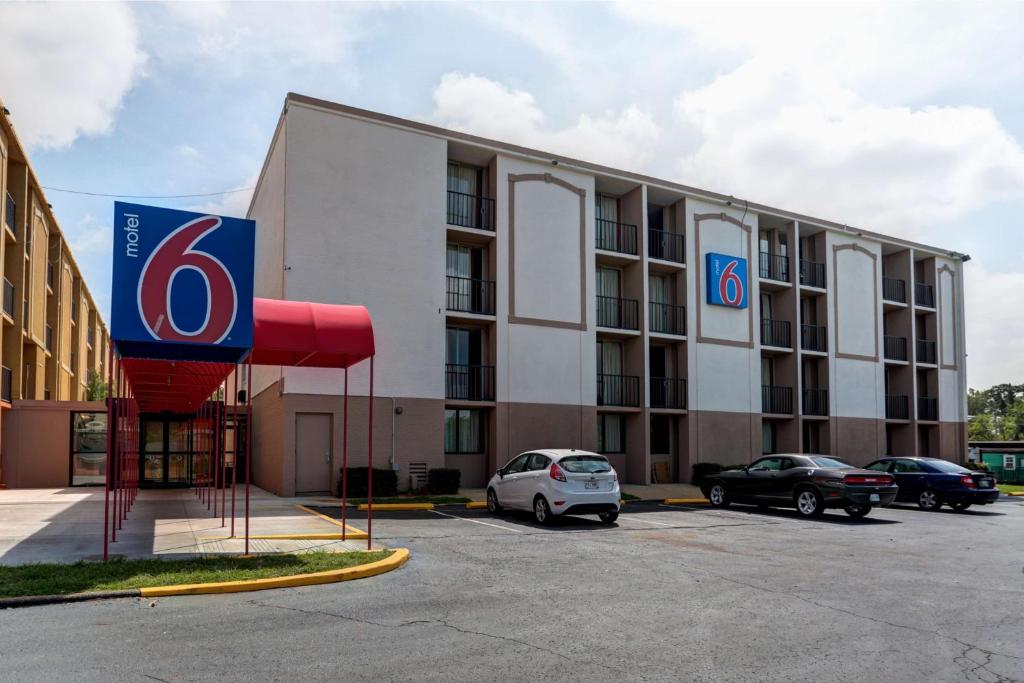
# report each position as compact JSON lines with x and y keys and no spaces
{"x":59,"y":579}
{"x":1011,"y":488}
{"x":436,"y":500}
{"x":628,"y":496}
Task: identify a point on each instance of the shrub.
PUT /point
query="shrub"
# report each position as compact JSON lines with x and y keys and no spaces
{"x":444,"y":480}
{"x":385,"y":482}
{"x":703,"y":469}
{"x":740,"y":466}
{"x":977,"y":466}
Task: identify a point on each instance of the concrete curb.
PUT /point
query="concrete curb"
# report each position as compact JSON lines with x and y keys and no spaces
{"x":398,"y":557}
{"x":685,"y":501}
{"x":387,"y":507}
{"x":1016,"y":494}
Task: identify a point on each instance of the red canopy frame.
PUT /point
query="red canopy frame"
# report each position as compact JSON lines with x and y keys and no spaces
{"x":285,"y":333}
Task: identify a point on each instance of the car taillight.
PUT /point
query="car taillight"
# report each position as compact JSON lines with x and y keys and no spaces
{"x":862,"y":479}
{"x":556,"y":472}
{"x":967,"y":481}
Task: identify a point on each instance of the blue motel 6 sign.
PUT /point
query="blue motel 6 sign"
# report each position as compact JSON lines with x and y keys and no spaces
{"x":182,"y":284}
{"x":726,"y":280}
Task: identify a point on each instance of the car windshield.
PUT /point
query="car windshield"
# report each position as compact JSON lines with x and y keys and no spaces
{"x":946,"y":466}
{"x":830,"y":462}
{"x":586,"y":464}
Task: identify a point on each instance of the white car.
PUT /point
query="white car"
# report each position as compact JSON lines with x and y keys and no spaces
{"x":556,"y":481}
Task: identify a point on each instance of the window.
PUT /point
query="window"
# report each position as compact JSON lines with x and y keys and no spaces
{"x":518,"y":465}
{"x":880,"y":466}
{"x":767,"y":437}
{"x":585,"y":464}
{"x":1009,"y":462}
{"x":463,"y":431}
{"x":11,"y":213}
{"x":611,"y":433}
{"x":830,"y":462}
{"x":88,"y":449}
{"x":904,"y":466}
{"x":463,"y":346}
{"x":463,"y":179}
{"x":537,"y":462}
{"x":608,"y":282}
{"x":944,"y":466}
{"x":767,"y":465}
{"x":49,"y":275}
{"x":661,"y":434}
{"x":607,"y":208}
{"x":766,"y":307}
{"x":48,"y":338}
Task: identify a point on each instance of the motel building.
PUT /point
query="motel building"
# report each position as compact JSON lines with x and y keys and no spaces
{"x":524,"y":300}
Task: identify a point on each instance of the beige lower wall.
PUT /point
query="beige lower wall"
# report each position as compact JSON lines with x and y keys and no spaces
{"x":36,"y":442}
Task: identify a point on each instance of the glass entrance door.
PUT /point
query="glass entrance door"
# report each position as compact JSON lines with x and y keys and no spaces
{"x":167,"y":452}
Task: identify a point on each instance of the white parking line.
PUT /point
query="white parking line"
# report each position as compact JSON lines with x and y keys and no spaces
{"x":634,"y":518}
{"x":477,"y":521}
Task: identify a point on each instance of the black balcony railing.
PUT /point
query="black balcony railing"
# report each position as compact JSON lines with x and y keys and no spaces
{"x":895,"y":348}
{"x":667,"y":318}
{"x":668,"y":393}
{"x":927,"y":408}
{"x":6,"y":386}
{"x":775,"y":333}
{"x":8,"y":297}
{"x":618,"y":390}
{"x":924,"y":295}
{"x":814,"y":338}
{"x":926,"y":351}
{"x":812,"y":274}
{"x":815,"y":401}
{"x":897,"y":407}
{"x":90,"y":336}
{"x":894,"y":289}
{"x":470,"y":211}
{"x":469,"y":382}
{"x":667,"y":246}
{"x":470,"y":295}
{"x":619,"y":313}
{"x":776,"y":400}
{"x":614,"y":236}
{"x":10,"y":212}
{"x":774,"y":267}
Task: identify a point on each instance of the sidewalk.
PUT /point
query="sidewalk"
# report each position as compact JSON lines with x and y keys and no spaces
{"x":66,"y":525}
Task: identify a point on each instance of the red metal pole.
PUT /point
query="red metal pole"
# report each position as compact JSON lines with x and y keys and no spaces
{"x":210,"y":469}
{"x":215,"y":448}
{"x":248,"y":444}
{"x":369,"y":472}
{"x":221,"y":405}
{"x":234,"y":449}
{"x":117,"y":447}
{"x":106,"y":491}
{"x":344,"y":461}
{"x":123,"y":450}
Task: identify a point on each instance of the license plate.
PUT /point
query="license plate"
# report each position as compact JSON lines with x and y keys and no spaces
{"x":591,"y":485}
{"x":874,"y":498}
{"x":984,"y":483}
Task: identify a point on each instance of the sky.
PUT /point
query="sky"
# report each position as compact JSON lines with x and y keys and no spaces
{"x":905,"y":119}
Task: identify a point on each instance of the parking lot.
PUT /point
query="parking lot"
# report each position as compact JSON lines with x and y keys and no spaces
{"x":669,"y":592}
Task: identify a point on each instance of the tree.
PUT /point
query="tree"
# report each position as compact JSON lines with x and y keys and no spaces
{"x":96,"y":389}
{"x":996,"y":413}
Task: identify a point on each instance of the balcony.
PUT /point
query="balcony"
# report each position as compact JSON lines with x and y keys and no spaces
{"x":618,"y":390}
{"x":894,"y":289}
{"x":924,"y":295}
{"x":812,"y":274}
{"x":668,"y":393}
{"x":897,"y":407}
{"x":926,"y":351}
{"x":895,"y":348}
{"x":927,"y":408}
{"x":10,"y":213}
{"x":774,"y":267}
{"x":8,"y":298}
{"x":814,"y":338}
{"x":470,"y":295}
{"x":815,"y":402}
{"x":667,"y":318}
{"x":90,"y":336}
{"x":469,"y":382}
{"x":6,"y":383}
{"x":775,"y":333}
{"x":48,"y":339}
{"x":470,"y":211}
{"x":49,"y":275}
{"x":776,"y":400}
{"x":614,"y":236}
{"x":667,"y":246}
{"x":621,"y":314}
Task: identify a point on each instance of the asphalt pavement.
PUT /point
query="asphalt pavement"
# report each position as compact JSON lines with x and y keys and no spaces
{"x":669,"y":593}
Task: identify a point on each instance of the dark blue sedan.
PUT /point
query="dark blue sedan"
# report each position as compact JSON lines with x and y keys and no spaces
{"x":931,"y":483}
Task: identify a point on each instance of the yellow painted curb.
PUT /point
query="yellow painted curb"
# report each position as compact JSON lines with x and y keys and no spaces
{"x":476,"y":505}
{"x":398,"y":506}
{"x":399,"y":557}
{"x":351,"y":532}
{"x":685,"y":501}
{"x":1016,"y":493}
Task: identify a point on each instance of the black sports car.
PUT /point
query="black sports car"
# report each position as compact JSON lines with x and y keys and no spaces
{"x":931,"y":482}
{"x":810,"y":483}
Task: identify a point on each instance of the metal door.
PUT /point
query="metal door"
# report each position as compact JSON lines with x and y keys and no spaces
{"x":313,"y":453}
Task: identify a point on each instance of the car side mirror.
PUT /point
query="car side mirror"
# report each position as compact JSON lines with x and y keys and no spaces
{"x":500,"y":473}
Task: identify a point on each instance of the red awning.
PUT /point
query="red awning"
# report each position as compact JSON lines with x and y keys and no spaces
{"x":291,"y":333}
{"x":300,"y":333}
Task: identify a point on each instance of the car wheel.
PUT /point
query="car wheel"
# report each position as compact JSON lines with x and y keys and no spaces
{"x":809,"y":503}
{"x":492,"y":502}
{"x":929,"y":500}
{"x":959,"y":507}
{"x":858,"y":511}
{"x":608,"y":517}
{"x":541,"y":511}
{"x":718,"y":497}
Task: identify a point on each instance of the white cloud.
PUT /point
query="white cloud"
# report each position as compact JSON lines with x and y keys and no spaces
{"x":235,"y":204}
{"x":66,"y":68}
{"x":994,"y":326}
{"x":187,"y":152}
{"x":484,"y":107}
{"x":89,"y":236}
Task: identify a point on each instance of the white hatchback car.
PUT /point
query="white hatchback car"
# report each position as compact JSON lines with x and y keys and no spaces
{"x":553,"y":482}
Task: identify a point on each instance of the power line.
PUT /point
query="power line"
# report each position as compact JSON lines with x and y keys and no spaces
{"x":148,"y":196}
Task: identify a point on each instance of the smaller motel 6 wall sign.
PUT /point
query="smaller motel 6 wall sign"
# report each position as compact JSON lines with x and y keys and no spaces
{"x":726,"y":280}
